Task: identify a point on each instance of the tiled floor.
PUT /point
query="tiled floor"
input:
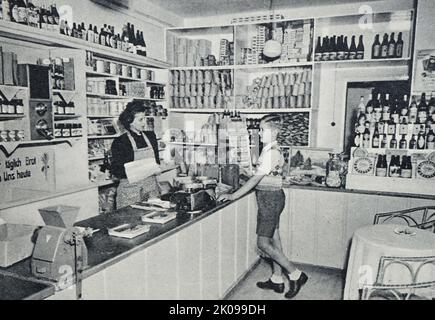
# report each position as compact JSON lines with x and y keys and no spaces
{"x":323,"y":284}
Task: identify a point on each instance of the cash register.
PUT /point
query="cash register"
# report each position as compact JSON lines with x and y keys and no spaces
{"x":60,"y":252}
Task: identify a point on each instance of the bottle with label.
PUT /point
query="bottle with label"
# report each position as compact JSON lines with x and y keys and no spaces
{"x":19,"y":109}
{"x":360,"y":49}
{"x":376,"y":139}
{"x":404,"y":109}
{"x":56,"y":17}
{"x":393,"y":142}
{"x":403,"y":143}
{"x":384,"y":141}
{"x":377,"y":107}
{"x":58,"y":127}
{"x":403,"y":128}
{"x":394,"y":169}
{"x":413,"y":142}
{"x":391,"y":130}
{"x":392,"y":47}
{"x":318,"y":51}
{"x":399,"y":46}
{"x":384,"y":47}
{"x":369,"y":106}
{"x":144,"y":45}
{"x":340,"y":48}
{"x":422,"y":109}
{"x":352,"y":49}
{"x":395,"y":112}
{"x":21,"y":12}
{"x":366,"y":138}
{"x":333,"y":48}
{"x":421,"y":140}
{"x":406,"y":167}
{"x":381,"y":166}
{"x":431,"y":106}
{"x":376,"y":48}
{"x":357,"y":139}
{"x":430,"y":140}
{"x":413,"y":111}
{"x":386,"y":108}
{"x":6,"y":10}
{"x":346,"y":48}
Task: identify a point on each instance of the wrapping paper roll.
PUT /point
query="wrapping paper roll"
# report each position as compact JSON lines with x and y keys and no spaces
{"x":188,"y":77}
{"x":193,"y":103}
{"x":287,"y":79}
{"x":207,"y":88}
{"x":187,"y":90}
{"x":299,"y":77}
{"x":207,"y":76}
{"x":263,"y":103}
{"x":268,"y":82}
{"x":206,"y":102}
{"x":275,"y":102}
{"x":182,"y":92}
{"x":269,"y":103}
{"x":292,"y":102}
{"x":307,"y":88}
{"x":199,"y":104}
{"x":216,"y":77}
{"x":219,"y":101}
{"x":274,"y":80}
{"x":265,"y":92}
{"x":282,"y":102}
{"x":182,"y":77}
{"x":281,"y":90}
{"x":301,"y":90}
{"x":214,"y":90}
{"x":182,"y":103}
{"x":211,"y":102}
{"x":300,"y":102}
{"x":275,"y":90}
{"x":193,"y":92}
{"x":176,"y":91}
{"x":281,"y":77}
{"x":176,"y":77}
{"x":307,"y":101}
{"x":194,"y":76}
{"x":200,"y":77}
{"x":187,"y":102}
{"x":288,"y":90}
{"x":171,"y":90}
{"x":295,"y":90}
{"x":260,"y":92}
{"x":199,"y":90}
{"x":176,"y":102}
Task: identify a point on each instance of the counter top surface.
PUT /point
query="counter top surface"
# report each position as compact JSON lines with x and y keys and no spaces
{"x":15,"y":288}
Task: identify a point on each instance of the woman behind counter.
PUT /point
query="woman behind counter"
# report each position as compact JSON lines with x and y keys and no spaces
{"x":135,"y":144}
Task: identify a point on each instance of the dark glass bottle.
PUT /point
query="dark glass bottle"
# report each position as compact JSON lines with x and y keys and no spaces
{"x":384,"y":47}
{"x":406,"y":167}
{"x":333,"y":48}
{"x":403,"y":143}
{"x":421,"y":140}
{"x":352,"y":49}
{"x":430,"y":140}
{"x":346,"y":49}
{"x":376,"y":138}
{"x":394,"y":170}
{"x":376,"y":48}
{"x":392,"y":47}
{"x":381,"y":166}
{"x":318,"y":51}
{"x":360,"y":49}
{"x":393,"y":142}
{"x":399,"y":46}
{"x":422,"y":109}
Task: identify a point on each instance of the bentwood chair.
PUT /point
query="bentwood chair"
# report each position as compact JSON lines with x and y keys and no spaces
{"x":417,"y":281}
{"x":419,"y":217}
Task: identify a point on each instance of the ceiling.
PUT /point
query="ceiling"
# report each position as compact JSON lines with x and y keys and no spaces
{"x":198,"y":8}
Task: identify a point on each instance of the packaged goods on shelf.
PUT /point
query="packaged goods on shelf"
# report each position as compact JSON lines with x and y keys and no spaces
{"x":135,"y":89}
{"x":12,"y":135}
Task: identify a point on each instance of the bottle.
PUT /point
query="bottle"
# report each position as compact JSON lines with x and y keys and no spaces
{"x":360,"y":49}
{"x":403,"y":143}
{"x":74,"y":30}
{"x":340,"y":48}
{"x":102,"y":38}
{"x":421,"y":140}
{"x":399,"y":46}
{"x":366,"y":139}
{"x":403,"y":128}
{"x":144,"y":45}
{"x":376,"y":48}
{"x":79,"y":31}
{"x":50,"y":18}
{"x":413,"y":143}
{"x":90,"y":34}
{"x":394,"y":170}
{"x":56,"y":17}
{"x":393,"y":142}
{"x":392,"y":47}
{"x":375,"y":139}
{"x":404,"y":109}
{"x":361,"y":106}
{"x":395,"y":112}
{"x":413,"y":110}
{"x":138,"y":43}
{"x":353,"y":49}
{"x":84,"y":33}
{"x":386,"y":109}
{"x":369,"y":107}
{"x":384,"y":47}
{"x":96,"y":35}
{"x":357,"y":140}
{"x":19,"y":108}
{"x":346,"y":49}
{"x":381,"y":166}
{"x":406,"y":167}
{"x":21,"y":12}
{"x":325,"y":49}
{"x":377,"y":107}
{"x":6,"y":10}
{"x":430,"y":140}
{"x":422,"y":109}
{"x":333,"y":49}
{"x":319,"y":49}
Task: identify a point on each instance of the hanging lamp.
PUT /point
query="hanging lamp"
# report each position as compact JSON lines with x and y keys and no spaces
{"x":272,"y":48}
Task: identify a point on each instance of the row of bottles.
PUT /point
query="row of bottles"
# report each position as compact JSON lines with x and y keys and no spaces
{"x":337,"y":48}
{"x":128,"y":41}
{"x":47,"y":17}
{"x":26,"y":12}
{"x":12,"y":135}
{"x":389,"y":48}
{"x":396,"y":168}
{"x":12,"y":107}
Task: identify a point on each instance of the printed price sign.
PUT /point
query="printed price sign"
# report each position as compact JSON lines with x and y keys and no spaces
{"x":424,"y":80}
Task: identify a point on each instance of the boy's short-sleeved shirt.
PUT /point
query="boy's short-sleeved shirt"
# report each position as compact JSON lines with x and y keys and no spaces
{"x":270,"y":160}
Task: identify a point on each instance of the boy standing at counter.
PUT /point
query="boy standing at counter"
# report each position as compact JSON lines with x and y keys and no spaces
{"x":271,"y":201}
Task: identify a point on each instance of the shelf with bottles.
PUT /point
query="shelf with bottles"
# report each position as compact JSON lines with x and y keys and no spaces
{"x":243,"y":111}
{"x":398,"y":125}
{"x":410,"y":171}
{"x":55,"y":39}
{"x":200,"y":47}
{"x":378,"y":37}
{"x":197,"y":89}
{"x":285,"y":42}
{"x":103,"y":136}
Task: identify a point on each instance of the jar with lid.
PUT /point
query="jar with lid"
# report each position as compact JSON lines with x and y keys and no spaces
{"x":335,"y":169}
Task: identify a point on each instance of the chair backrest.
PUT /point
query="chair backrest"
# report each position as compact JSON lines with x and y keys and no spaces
{"x":419,"y":217}
{"x":403,"y":278}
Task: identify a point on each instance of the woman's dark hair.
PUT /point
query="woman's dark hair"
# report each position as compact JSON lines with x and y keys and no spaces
{"x":127,"y":116}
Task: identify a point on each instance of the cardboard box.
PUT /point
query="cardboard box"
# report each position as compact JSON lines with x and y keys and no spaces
{"x":9,"y":59}
{"x":68,"y":65}
{"x":15,"y":243}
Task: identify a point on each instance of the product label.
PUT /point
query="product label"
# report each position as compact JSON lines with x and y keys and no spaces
{"x":22,"y":15}
{"x":57,"y":133}
{"x":394,"y":171}
{"x":15,"y":15}
{"x":376,"y":51}
{"x":66,"y":133}
{"x":381,"y":172}
{"x":386,"y":116}
{"x":391,"y":129}
{"x":392,"y":50}
{"x":431,"y":145}
{"x":399,"y":50}
{"x":360,"y":55}
{"x":403,"y":129}
{"x":384,"y":51}
{"x":375,"y":142}
{"x":406,"y":173}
